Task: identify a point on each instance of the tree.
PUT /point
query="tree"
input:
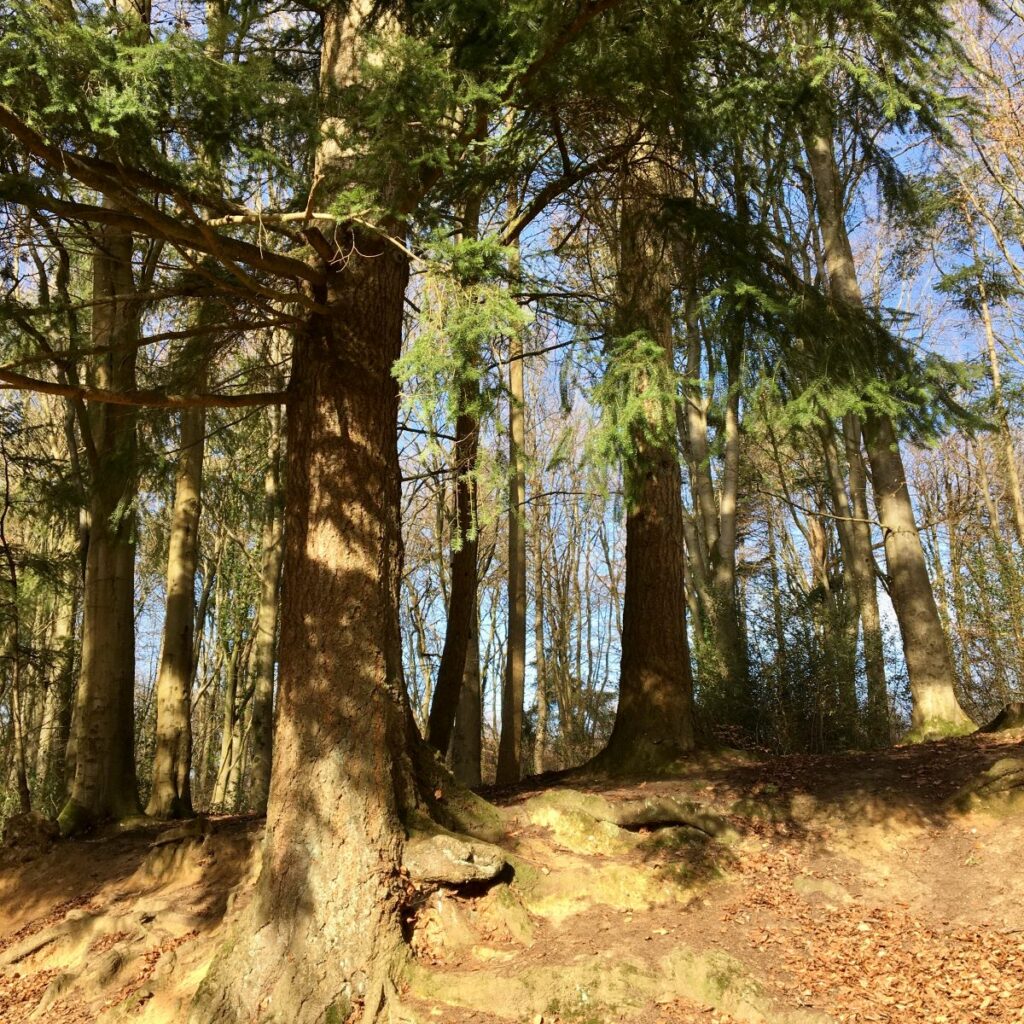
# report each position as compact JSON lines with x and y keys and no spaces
{"x":936,"y":709}
{"x":654,"y":719}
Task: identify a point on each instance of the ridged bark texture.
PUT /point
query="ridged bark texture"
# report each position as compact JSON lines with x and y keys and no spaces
{"x":323,"y":929}
{"x":654,"y":719}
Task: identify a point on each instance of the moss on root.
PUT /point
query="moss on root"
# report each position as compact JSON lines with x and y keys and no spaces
{"x":939,"y":729}
{"x":74,"y":819}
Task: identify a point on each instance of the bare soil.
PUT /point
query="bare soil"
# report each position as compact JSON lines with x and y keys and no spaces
{"x":801,"y":890}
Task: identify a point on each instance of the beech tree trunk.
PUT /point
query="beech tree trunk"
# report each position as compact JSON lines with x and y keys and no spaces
{"x":936,"y":710}
{"x":266,"y":622}
{"x":654,"y":719}
{"x":858,"y":558}
{"x":104,"y":783}
{"x":171,"y":796}
{"x":323,"y":929}
{"x":227,"y":731}
{"x":711,"y":531}
{"x":56,"y":720}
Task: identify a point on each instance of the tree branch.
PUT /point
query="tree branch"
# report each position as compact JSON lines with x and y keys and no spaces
{"x":150,"y":399}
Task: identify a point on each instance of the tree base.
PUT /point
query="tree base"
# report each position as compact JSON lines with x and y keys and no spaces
{"x":638,"y":759}
{"x":339,"y":955}
{"x":939,"y":729}
{"x":1010,"y":718}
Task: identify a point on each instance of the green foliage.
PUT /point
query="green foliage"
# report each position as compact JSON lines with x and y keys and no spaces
{"x":466,"y":309}
{"x":158,"y":98}
{"x":638,"y":397}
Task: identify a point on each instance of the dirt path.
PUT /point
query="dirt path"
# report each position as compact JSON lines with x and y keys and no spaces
{"x":789,"y":891}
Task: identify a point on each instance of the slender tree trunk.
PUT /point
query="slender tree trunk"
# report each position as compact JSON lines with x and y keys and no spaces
{"x":239,"y":741}
{"x":1009,"y":456}
{"x":60,"y":687}
{"x":855,"y":544}
{"x":540,"y":660}
{"x":654,"y":718}
{"x":466,"y":737}
{"x":463,"y":560}
{"x":171,"y":795}
{"x":227,"y":733}
{"x":19,"y":767}
{"x":510,"y":752}
{"x":711,"y":540}
{"x":879,"y":721}
{"x":462,"y":595}
{"x":954,"y":541}
{"x":266,"y":621}
{"x":936,"y":710}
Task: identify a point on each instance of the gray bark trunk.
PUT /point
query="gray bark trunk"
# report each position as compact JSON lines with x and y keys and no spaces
{"x":936,"y":710}
{"x":171,"y":795}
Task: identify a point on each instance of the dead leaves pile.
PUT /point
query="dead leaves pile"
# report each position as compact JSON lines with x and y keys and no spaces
{"x":885,"y":965}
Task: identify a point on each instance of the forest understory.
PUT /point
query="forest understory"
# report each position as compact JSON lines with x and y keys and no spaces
{"x":791,"y":890}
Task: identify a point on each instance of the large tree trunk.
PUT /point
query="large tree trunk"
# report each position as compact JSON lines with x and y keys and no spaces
{"x":654,"y":719}
{"x":936,"y":710}
{"x":171,"y":796}
{"x":266,"y":622}
{"x":323,"y":929}
{"x":104,"y":784}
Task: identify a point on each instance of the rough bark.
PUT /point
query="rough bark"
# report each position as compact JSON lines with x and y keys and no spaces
{"x":171,"y":796}
{"x":323,"y":930}
{"x":654,"y":719}
{"x":272,"y":557}
{"x":936,"y":710}
{"x":104,"y":785}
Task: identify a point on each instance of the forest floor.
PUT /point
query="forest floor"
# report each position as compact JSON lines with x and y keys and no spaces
{"x":795,"y":890}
